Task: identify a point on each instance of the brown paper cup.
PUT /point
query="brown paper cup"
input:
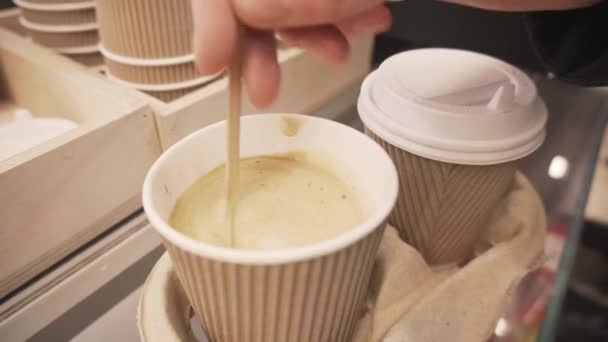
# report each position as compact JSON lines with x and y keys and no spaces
{"x":171,"y":95}
{"x":442,"y":208}
{"x":166,"y":92}
{"x":58,"y":1}
{"x":87,"y":59}
{"x":61,"y":40}
{"x":146,"y":28}
{"x":76,"y":17}
{"x":311,"y":293}
{"x":153,"y":74}
{"x":315,"y":300}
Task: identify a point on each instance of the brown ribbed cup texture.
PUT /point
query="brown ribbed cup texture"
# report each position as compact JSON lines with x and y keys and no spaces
{"x":75,"y":17}
{"x":146,"y":28}
{"x":171,"y":95}
{"x":153,"y":74}
{"x":60,"y":40}
{"x":315,"y":300}
{"x":442,"y":208}
{"x":58,"y":1}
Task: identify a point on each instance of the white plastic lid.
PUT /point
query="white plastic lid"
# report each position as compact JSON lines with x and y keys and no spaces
{"x":454,"y":106}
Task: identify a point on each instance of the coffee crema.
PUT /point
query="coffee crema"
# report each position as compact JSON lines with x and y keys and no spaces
{"x":284,"y":201}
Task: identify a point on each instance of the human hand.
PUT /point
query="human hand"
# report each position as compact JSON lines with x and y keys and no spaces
{"x":318,"y":26}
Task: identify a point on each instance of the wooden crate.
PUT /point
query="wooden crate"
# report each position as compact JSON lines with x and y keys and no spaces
{"x":307,"y":83}
{"x":9,"y":20}
{"x":57,"y":196}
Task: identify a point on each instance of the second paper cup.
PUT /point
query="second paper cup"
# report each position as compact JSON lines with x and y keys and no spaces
{"x":454,"y":122}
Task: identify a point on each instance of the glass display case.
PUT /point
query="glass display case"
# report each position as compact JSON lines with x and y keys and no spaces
{"x":562,"y":171}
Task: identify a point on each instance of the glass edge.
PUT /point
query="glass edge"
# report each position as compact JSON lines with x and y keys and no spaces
{"x":558,"y":292}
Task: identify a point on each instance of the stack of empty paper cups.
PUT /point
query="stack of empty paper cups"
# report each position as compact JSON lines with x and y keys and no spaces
{"x":147,"y":46}
{"x":67,"y":26}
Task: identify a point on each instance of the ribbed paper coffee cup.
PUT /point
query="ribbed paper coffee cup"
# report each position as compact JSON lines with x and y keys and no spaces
{"x":62,"y":36}
{"x":61,"y":40}
{"x":146,"y":28}
{"x":309,"y":293}
{"x":314,"y":300}
{"x":81,"y":16}
{"x":442,"y":208}
{"x":170,"y":95}
{"x":166,"y":92}
{"x":87,"y":59}
{"x":151,"y":71}
{"x":153,"y":74}
{"x":60,"y":1}
{"x":454,"y":122}
{"x":55,"y":5}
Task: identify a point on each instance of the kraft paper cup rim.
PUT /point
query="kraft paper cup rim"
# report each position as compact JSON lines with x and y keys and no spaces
{"x":282,"y":256}
{"x":57,"y":28}
{"x":78,"y":50}
{"x":144,"y":61}
{"x":163,"y":87}
{"x":55,"y":7}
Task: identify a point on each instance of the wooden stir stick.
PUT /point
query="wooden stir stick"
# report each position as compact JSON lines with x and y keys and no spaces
{"x":233,"y":143}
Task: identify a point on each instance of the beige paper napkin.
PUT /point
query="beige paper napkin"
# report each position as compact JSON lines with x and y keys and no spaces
{"x":407,"y":300}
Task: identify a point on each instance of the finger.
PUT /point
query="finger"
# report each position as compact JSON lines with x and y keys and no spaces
{"x":295,"y":13}
{"x":375,"y":20}
{"x":326,"y":42}
{"x":261,"y":73}
{"x":214,"y":34}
